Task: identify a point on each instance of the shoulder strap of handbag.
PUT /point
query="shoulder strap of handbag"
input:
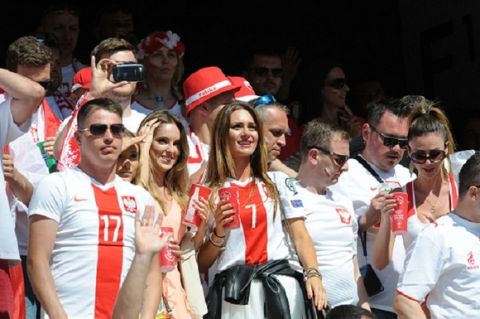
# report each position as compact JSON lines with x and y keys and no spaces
{"x":363,"y":234}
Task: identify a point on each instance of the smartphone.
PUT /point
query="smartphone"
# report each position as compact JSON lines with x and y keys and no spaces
{"x":131,"y":72}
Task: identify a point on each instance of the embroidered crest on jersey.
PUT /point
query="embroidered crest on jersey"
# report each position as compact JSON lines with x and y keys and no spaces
{"x":130,"y":204}
{"x":344,"y":215}
{"x":296,"y":203}
{"x":289,"y":182}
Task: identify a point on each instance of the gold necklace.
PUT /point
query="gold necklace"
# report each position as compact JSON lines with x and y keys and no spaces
{"x":432,"y":207}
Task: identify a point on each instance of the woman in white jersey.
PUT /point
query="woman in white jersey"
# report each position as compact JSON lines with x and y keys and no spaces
{"x":163,"y":172}
{"x":434,"y":192}
{"x":161,"y":53}
{"x":247,"y":266}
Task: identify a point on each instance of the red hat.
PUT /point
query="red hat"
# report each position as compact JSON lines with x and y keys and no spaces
{"x":82,"y":79}
{"x":205,"y":84}
{"x":246,"y":92}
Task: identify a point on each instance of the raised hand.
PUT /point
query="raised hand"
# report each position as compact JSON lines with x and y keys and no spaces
{"x":148,"y":239}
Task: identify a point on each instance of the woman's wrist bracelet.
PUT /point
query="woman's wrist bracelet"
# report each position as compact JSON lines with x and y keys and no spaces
{"x":215,"y":233}
{"x":216,"y":244}
{"x":312,"y":272}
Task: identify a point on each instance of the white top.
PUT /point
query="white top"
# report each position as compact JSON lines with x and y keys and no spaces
{"x":132,"y":122}
{"x":29,"y":162}
{"x":198,"y":152}
{"x":443,"y":266}
{"x":95,"y":242}
{"x":175,"y":110}
{"x":360,"y":187}
{"x":8,"y":132}
{"x":333,"y":228}
{"x":260,"y":237}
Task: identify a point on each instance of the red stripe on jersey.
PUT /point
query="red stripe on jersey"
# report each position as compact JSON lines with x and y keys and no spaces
{"x":254,"y":222}
{"x":192,"y":159}
{"x":110,"y":251}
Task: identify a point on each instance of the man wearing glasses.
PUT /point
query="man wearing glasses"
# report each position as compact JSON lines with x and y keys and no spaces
{"x":385,"y":137}
{"x":82,"y":222}
{"x":444,"y":262}
{"x":327,"y":218}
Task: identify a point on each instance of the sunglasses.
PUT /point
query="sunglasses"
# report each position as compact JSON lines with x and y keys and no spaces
{"x":262,"y":71}
{"x":420,"y":157}
{"x":264,"y":100}
{"x":98,"y":130}
{"x":390,"y":141}
{"x":47,"y":85}
{"x":338,"y":159}
{"x":337,"y":83}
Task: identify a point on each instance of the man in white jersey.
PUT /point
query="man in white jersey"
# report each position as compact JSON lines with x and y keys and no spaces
{"x":19,"y":99}
{"x":385,"y":137}
{"x":206,"y":91}
{"x":82,"y":222}
{"x":329,"y":220}
{"x":443,"y":267}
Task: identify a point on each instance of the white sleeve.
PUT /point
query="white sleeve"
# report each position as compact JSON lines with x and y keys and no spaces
{"x":423,"y":265}
{"x":291,"y":202}
{"x":49,"y":198}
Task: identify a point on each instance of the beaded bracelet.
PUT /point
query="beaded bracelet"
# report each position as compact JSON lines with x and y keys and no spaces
{"x":312,"y":272}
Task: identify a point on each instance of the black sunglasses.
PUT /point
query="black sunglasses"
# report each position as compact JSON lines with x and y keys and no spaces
{"x":267,"y":99}
{"x":420,"y":157}
{"x":98,"y":130}
{"x":337,"y":83}
{"x":338,"y":159}
{"x":47,"y":85}
{"x":262,"y":71}
{"x":390,"y":141}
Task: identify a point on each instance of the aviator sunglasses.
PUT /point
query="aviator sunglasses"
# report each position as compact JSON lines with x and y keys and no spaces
{"x":263,"y":71}
{"x":390,"y":141}
{"x":420,"y":157}
{"x":338,"y":159}
{"x":98,"y":130}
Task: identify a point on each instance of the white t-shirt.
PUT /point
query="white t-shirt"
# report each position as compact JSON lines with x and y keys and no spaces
{"x":29,"y":162}
{"x":443,"y":266}
{"x":358,"y":185}
{"x":8,"y":132}
{"x":95,"y":242}
{"x":198,"y":152}
{"x":333,"y":228}
{"x":132,"y":122}
{"x":175,"y":110}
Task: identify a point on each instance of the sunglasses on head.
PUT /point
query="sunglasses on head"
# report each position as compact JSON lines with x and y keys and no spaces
{"x":47,"y":85}
{"x":262,"y":71}
{"x":117,"y":130}
{"x":337,"y":83}
{"x":420,"y":157}
{"x":338,"y":159}
{"x":267,"y":99}
{"x":390,"y":141}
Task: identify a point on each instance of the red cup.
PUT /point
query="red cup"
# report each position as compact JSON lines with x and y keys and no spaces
{"x":398,"y":218}
{"x":231,"y":195}
{"x":168,"y":261}
{"x":192,"y":217}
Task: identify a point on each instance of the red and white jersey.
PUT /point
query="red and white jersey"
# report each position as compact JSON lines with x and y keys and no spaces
{"x":332,"y":226}
{"x":95,"y":244}
{"x":443,"y":266}
{"x":260,"y":237}
{"x":359,"y":185}
{"x":198,"y":152}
